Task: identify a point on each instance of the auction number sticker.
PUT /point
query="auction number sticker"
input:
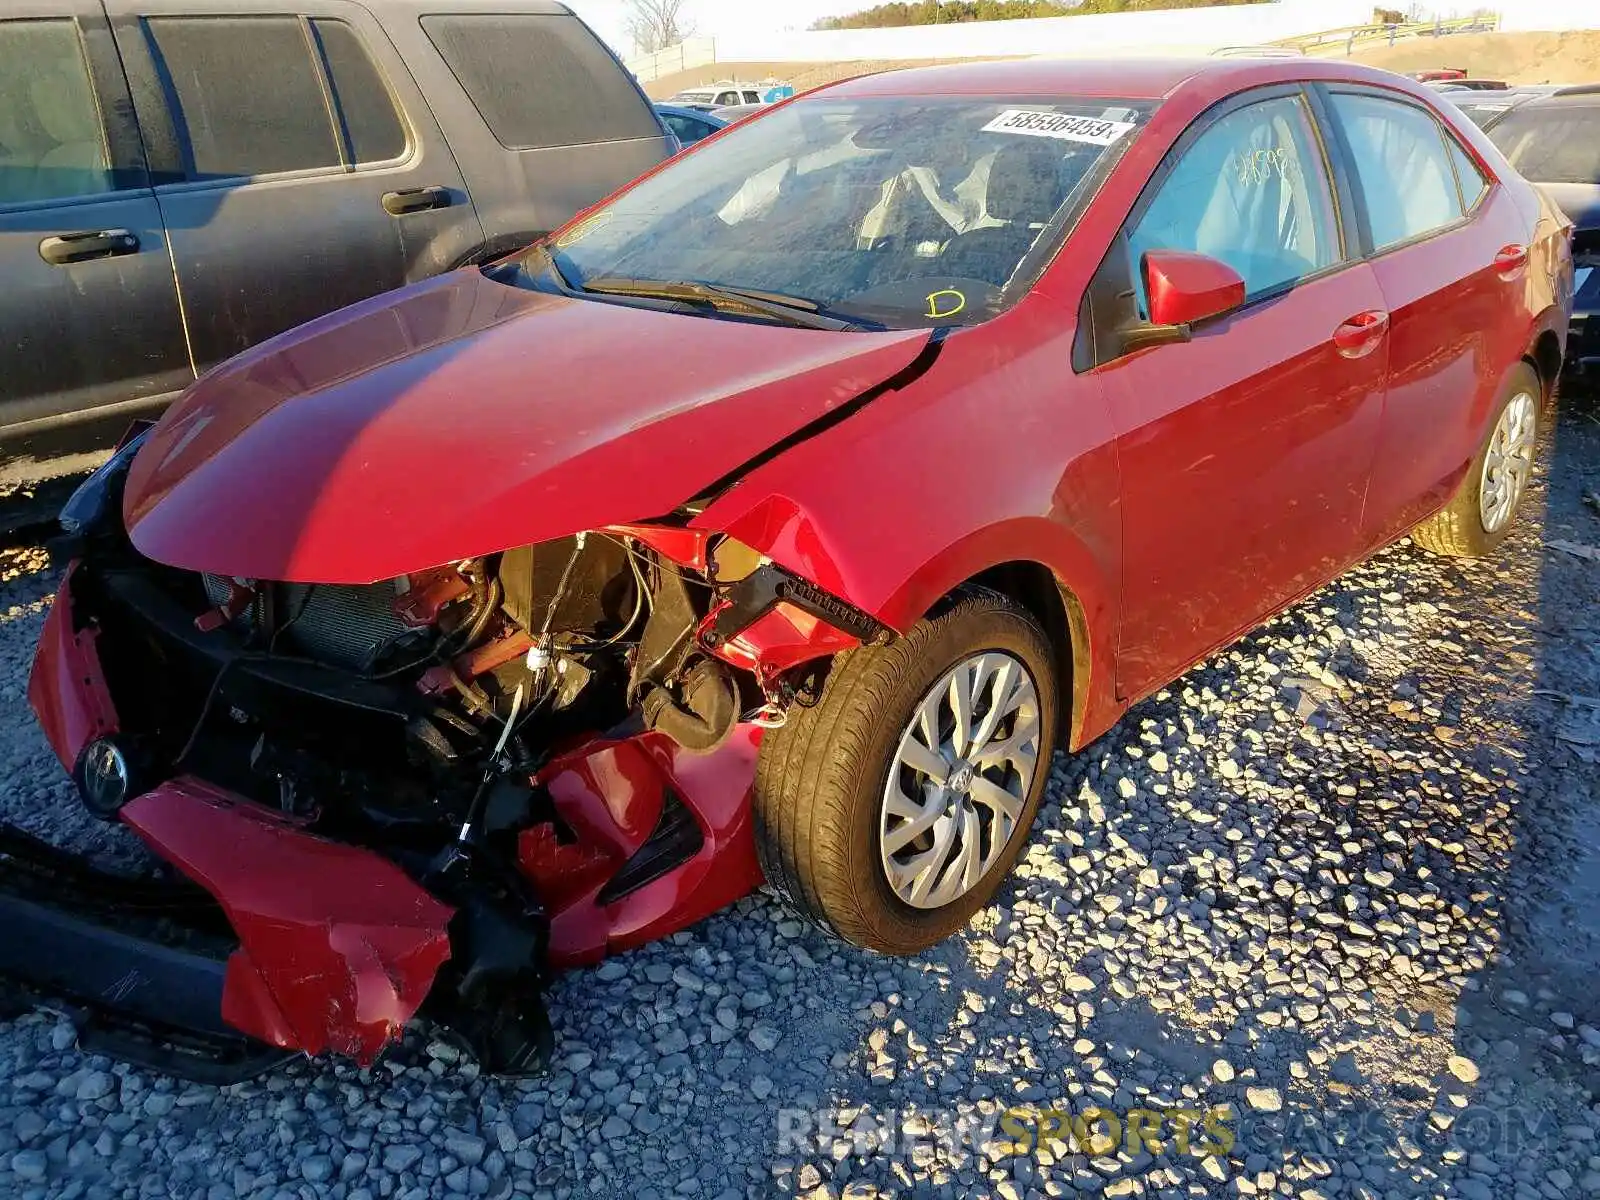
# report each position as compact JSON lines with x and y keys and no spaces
{"x":1033,"y":123}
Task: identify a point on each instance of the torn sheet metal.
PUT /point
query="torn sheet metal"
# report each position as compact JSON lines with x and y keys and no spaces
{"x":338,"y":947}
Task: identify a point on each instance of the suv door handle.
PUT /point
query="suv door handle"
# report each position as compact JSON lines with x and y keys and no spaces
{"x":81,"y":247}
{"x":1508,"y":260}
{"x":398,"y":204}
{"x":1359,"y":336}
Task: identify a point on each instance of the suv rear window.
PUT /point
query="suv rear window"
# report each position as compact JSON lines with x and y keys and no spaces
{"x":1555,"y":143}
{"x":540,"y":80}
{"x":248,"y":93}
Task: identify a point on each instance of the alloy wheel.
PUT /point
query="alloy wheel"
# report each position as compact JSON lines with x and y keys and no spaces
{"x":959,"y":780}
{"x":1508,"y":464}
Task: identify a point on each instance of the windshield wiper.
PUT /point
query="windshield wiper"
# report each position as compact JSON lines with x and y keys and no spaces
{"x":791,"y":310}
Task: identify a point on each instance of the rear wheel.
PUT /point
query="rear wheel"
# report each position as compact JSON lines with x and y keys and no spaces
{"x":892,"y":810}
{"x":1480,"y":514}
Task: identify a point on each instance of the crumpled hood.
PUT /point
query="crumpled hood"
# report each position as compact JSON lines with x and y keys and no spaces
{"x":463,"y":417}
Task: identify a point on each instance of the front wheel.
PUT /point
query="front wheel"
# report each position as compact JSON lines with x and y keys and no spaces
{"x":1480,"y":514}
{"x":892,"y":810}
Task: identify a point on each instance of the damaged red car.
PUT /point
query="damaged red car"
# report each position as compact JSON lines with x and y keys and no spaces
{"x":774,"y":520}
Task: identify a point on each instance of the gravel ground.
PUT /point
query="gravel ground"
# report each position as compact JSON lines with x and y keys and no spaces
{"x":1339,"y":886}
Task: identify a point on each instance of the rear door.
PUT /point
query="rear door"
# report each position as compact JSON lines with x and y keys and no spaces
{"x":1449,"y":251}
{"x":1244,"y":452}
{"x":292,"y":180}
{"x":89,"y":307}
{"x":542,"y":117}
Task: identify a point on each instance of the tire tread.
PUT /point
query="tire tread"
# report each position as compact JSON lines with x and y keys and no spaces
{"x":809,"y":777}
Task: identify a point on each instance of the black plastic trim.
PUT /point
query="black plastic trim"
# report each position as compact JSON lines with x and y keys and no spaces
{"x":122,"y":957}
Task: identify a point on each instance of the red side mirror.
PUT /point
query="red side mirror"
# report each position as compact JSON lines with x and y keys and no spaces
{"x":1184,"y":287}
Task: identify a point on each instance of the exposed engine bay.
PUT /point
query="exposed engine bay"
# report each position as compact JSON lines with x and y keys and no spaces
{"x":553,"y":745}
{"x":494,"y":661}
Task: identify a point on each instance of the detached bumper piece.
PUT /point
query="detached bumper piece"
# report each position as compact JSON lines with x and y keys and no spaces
{"x":276,"y":942}
{"x":337,"y":946}
{"x":139,"y":966}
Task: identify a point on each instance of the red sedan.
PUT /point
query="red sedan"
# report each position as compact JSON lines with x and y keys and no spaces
{"x":776,"y":519}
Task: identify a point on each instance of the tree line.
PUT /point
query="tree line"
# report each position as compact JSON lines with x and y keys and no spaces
{"x":934,"y":12}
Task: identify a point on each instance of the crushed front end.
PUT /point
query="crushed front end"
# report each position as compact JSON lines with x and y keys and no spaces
{"x":412,"y":798}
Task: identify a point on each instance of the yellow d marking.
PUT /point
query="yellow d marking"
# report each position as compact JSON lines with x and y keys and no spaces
{"x":938,"y":313}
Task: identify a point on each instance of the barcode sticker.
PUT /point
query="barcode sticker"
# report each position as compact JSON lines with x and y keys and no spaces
{"x":1033,"y":123}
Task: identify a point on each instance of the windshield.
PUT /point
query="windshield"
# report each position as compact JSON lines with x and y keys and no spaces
{"x":1558,"y":143}
{"x":1483,"y":113}
{"x":892,"y":212}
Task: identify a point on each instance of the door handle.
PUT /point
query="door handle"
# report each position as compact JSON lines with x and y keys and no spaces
{"x":398,"y":204}
{"x":81,"y":247}
{"x":1360,"y":335}
{"x":1508,"y":260}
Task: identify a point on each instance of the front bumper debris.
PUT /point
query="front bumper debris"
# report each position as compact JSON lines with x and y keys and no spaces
{"x":289,"y":943}
{"x":325,"y":945}
{"x":338,"y":948}
{"x":139,"y":966}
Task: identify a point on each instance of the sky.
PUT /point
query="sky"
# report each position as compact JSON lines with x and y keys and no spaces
{"x":717,"y":18}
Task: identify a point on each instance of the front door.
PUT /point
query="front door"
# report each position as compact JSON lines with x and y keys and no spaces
{"x":1244,"y":452}
{"x":89,"y":306}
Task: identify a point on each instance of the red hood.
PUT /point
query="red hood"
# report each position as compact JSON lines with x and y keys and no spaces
{"x":463,"y":417}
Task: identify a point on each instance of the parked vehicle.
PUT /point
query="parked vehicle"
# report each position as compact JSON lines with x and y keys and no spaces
{"x":1485,"y":108}
{"x":738,"y":112}
{"x":182,"y":179}
{"x":1469,"y":85}
{"x":775,"y":519}
{"x":718,"y":95}
{"x":1554,"y":140}
{"x":1259,"y":52}
{"x":689,"y":125}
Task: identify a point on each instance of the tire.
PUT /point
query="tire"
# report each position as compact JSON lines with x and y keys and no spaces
{"x":822,"y":779}
{"x":1460,"y":529}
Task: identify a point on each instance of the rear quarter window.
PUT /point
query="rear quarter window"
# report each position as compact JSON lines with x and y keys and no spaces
{"x":540,"y":80}
{"x":365,"y":104}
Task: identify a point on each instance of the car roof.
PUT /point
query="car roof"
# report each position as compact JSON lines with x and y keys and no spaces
{"x":1122,"y":79}
{"x":1582,"y":96}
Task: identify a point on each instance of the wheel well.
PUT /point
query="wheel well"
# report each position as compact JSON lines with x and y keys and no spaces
{"x":1035,"y":587}
{"x":1546,"y":360}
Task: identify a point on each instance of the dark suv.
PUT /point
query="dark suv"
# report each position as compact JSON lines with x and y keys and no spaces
{"x":1554,"y":141}
{"x":180,"y":179}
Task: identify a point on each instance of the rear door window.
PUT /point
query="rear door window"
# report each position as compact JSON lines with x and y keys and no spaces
{"x":248,"y":94}
{"x":687,"y":131}
{"x":540,"y":80}
{"x":52,"y":141}
{"x":366,"y":106}
{"x":1402,"y":167}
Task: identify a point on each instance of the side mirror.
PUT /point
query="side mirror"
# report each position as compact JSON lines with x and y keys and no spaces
{"x":1184,"y":287}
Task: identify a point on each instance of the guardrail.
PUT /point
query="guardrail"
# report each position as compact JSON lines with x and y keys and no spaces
{"x":1355,"y":37}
